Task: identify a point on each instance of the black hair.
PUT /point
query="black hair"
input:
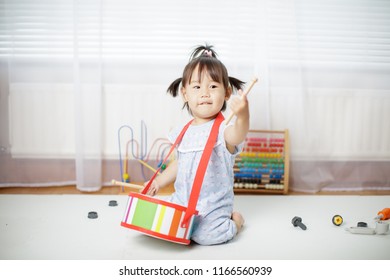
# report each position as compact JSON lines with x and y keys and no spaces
{"x":205,"y":58}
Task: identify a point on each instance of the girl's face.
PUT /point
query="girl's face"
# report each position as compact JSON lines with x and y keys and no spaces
{"x":205,"y":97}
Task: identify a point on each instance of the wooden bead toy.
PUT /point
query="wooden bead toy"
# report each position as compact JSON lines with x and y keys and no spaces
{"x":263,"y":164}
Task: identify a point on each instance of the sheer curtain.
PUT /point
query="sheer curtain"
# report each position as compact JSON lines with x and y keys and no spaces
{"x":328,"y":77}
{"x":73,"y":72}
{"x":88,"y":93}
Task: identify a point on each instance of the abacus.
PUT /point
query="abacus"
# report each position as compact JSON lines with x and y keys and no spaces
{"x":263,"y":164}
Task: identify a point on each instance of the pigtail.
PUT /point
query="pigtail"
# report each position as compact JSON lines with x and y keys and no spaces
{"x":236,"y":83}
{"x":173,"y":89}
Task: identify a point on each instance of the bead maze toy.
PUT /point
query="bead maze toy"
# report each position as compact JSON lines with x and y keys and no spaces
{"x":263,"y":165}
{"x":137,"y":151}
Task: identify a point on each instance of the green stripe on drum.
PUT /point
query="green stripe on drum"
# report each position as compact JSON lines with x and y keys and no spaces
{"x":144,"y":214}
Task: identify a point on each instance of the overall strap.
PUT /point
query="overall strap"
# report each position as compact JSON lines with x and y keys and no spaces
{"x":201,"y":171}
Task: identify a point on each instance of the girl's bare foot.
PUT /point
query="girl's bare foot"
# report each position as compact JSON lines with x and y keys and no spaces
{"x":238,"y":219}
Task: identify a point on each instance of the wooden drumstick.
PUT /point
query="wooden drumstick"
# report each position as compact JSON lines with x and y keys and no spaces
{"x":114,"y":182}
{"x":245,"y":94}
{"x":147,"y":165}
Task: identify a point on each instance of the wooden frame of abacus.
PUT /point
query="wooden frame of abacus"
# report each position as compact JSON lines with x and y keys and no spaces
{"x":263,"y":165}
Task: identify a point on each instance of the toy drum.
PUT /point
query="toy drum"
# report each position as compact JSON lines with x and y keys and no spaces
{"x":157,"y":218}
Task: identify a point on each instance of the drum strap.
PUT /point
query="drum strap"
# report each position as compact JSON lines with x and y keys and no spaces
{"x":199,"y":176}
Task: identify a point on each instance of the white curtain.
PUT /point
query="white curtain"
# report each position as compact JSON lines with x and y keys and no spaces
{"x":88,"y":94}
{"x":73,"y":72}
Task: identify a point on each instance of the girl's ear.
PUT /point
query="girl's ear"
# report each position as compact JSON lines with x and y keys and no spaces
{"x":183,"y":94}
{"x":228,"y":93}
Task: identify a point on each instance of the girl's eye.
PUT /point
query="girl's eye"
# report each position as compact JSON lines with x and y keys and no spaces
{"x":196,"y":87}
{"x":213,"y":86}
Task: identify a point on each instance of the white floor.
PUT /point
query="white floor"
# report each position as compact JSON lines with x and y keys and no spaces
{"x":57,"y":227}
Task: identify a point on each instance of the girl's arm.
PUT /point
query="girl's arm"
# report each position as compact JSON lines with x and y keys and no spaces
{"x":164,"y":179}
{"x":236,"y":133}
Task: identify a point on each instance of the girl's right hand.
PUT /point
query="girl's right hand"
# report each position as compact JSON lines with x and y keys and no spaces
{"x":154,"y":188}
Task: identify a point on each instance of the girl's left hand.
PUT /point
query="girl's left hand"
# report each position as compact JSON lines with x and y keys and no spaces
{"x":239,"y":105}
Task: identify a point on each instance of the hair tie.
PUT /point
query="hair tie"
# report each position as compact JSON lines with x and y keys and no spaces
{"x":208,"y":53}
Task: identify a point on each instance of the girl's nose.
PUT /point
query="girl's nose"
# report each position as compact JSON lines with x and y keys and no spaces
{"x":205,"y":93}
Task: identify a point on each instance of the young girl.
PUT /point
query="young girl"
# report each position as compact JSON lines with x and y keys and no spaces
{"x":205,"y":87}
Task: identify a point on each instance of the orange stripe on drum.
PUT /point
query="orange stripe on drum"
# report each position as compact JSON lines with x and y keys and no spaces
{"x":175,"y":223}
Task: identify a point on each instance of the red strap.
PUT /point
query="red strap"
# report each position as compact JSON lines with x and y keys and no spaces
{"x":178,"y":139}
{"x":201,"y":171}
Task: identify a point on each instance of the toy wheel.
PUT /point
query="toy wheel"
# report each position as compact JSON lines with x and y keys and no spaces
{"x":337,"y":220}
